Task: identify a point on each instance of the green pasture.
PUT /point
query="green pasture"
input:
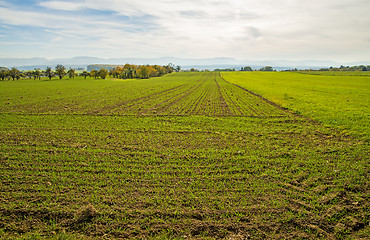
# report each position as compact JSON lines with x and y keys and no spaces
{"x":184,"y":156}
{"x":336,"y":99}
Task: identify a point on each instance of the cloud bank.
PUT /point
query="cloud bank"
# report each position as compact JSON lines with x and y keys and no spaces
{"x":244,"y":29}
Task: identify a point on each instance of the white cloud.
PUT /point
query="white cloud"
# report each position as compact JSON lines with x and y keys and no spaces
{"x":62,"y":5}
{"x":204,"y":28}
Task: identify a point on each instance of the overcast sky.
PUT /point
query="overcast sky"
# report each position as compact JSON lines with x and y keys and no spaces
{"x":336,"y":30}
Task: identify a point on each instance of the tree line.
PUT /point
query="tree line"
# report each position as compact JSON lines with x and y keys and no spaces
{"x":126,"y":71}
{"x":36,"y":74}
{"x":245,"y":69}
{"x":347,"y":68}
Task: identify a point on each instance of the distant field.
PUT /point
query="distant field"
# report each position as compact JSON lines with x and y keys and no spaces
{"x":180,"y":94}
{"x":185,"y":156}
{"x":337,"y":99}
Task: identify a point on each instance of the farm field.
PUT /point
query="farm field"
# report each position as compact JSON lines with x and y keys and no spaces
{"x":185,"y":156}
{"x":336,"y":99}
{"x":180,"y":94}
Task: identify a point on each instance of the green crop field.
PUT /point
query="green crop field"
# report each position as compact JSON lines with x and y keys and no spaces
{"x":337,"y":99}
{"x":185,"y":156}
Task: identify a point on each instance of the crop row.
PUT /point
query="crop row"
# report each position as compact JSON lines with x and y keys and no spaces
{"x":208,"y":94}
{"x":178,"y":94}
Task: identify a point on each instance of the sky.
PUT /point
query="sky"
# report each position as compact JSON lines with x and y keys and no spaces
{"x":337,"y":30}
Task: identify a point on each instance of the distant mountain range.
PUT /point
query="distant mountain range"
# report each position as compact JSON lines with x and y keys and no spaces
{"x":185,"y":63}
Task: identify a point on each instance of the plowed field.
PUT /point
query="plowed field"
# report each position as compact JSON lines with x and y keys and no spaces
{"x":187,"y":156}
